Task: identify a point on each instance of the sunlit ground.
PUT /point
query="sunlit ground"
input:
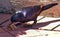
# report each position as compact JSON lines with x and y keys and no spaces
{"x":40,"y":33}
{"x":43,"y":33}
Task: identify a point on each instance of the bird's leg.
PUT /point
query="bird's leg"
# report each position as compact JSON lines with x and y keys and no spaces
{"x":35,"y":21}
{"x":30,"y":26}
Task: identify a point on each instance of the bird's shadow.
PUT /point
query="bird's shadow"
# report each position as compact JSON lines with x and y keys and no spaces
{"x":38,"y":25}
{"x":43,"y":24}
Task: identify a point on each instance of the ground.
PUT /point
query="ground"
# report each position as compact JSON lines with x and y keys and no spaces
{"x":44,"y":28}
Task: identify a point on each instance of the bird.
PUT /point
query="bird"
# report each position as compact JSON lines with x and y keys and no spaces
{"x":29,"y":14}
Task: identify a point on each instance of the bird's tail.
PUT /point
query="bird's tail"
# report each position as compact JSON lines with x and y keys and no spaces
{"x":48,"y":6}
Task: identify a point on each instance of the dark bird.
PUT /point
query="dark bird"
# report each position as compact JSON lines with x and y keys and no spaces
{"x":29,"y":13}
